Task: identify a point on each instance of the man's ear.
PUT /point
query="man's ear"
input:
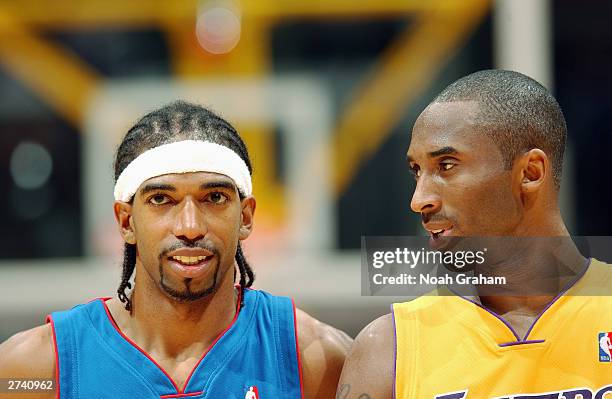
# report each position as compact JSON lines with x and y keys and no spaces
{"x":123,"y":216}
{"x":534,"y":170}
{"x":248,"y":213}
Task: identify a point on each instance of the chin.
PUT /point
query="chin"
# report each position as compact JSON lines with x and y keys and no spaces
{"x":187,"y":295}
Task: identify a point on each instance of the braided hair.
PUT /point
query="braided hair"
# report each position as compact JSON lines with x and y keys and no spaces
{"x":177,"y":121}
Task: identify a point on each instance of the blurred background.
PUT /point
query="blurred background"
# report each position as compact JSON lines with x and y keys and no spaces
{"x":325,"y":94}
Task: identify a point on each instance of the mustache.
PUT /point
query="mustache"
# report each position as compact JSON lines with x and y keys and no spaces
{"x":201,"y":244}
{"x":429,"y":217}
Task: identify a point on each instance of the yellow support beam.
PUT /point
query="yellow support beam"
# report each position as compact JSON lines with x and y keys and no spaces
{"x":92,"y":14}
{"x":56,"y":74}
{"x":405,"y":71}
{"x":331,"y":9}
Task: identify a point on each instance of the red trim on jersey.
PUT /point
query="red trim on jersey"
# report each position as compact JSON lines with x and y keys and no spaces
{"x":112,"y":320}
{"x":49,"y":319}
{"x":180,"y":395}
{"x":103,"y":298}
{"x":216,"y":339}
{"x":297,"y":347}
{"x":181,"y":392}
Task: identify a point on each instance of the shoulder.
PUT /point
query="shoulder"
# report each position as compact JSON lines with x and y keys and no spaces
{"x":312,"y":332}
{"x":28,"y":353}
{"x":375,"y":341}
{"x":323,"y":350}
{"x":325,"y":337}
{"x":379,"y":331}
{"x":370,"y":366}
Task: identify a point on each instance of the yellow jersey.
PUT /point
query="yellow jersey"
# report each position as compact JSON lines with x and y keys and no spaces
{"x":448,"y":347}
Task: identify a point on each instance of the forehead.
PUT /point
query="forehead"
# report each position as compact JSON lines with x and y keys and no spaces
{"x":449,"y":124}
{"x":180,"y":180}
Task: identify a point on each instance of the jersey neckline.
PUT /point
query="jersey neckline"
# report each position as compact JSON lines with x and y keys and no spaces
{"x":525,"y":339}
{"x":117,"y":336}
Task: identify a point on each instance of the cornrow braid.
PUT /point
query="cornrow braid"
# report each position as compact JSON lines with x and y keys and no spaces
{"x":247,"y":277}
{"x":129,"y":262}
{"x":177,"y":121}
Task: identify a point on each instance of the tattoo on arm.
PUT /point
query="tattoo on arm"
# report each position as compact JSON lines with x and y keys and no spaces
{"x":345,"y":389}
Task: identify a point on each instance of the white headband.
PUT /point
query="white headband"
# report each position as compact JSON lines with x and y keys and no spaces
{"x":183,"y":157}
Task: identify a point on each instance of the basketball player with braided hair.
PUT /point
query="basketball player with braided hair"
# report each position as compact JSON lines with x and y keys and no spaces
{"x":185,"y":327}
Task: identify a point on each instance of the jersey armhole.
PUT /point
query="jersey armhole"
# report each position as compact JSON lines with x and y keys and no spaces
{"x":297,"y":348}
{"x":49,"y":320}
{"x":406,"y":338}
{"x":394,"y":350}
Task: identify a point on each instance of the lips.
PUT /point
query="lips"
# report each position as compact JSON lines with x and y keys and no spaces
{"x":438,"y":230}
{"x":190,"y":252}
{"x":190,"y":262}
{"x":440,"y":234}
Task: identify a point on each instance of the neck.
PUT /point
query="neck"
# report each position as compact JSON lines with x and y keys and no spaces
{"x":542,"y":220}
{"x":539,"y":262}
{"x":161,"y":324}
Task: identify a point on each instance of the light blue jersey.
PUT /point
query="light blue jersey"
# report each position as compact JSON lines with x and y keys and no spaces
{"x":255,"y":358}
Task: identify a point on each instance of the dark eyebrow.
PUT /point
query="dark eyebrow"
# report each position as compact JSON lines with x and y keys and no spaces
{"x":168,"y":187}
{"x":443,"y":151}
{"x":156,"y":187}
{"x":218,"y":184}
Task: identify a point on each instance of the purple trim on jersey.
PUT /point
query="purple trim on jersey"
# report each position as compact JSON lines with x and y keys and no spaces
{"x":533,"y":341}
{"x":520,"y":341}
{"x":494,"y":314}
{"x":559,"y":295}
{"x":395,"y":351}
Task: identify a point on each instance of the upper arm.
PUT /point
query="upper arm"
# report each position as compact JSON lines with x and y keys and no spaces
{"x":322,"y":352}
{"x":369,"y":370}
{"x":29,"y":355}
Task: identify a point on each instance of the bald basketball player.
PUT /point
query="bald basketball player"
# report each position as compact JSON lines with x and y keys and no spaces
{"x":183,"y":203}
{"x":487,"y":157}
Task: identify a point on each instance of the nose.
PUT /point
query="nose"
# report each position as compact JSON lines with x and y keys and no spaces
{"x":426,"y":197}
{"x":190,"y":222}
